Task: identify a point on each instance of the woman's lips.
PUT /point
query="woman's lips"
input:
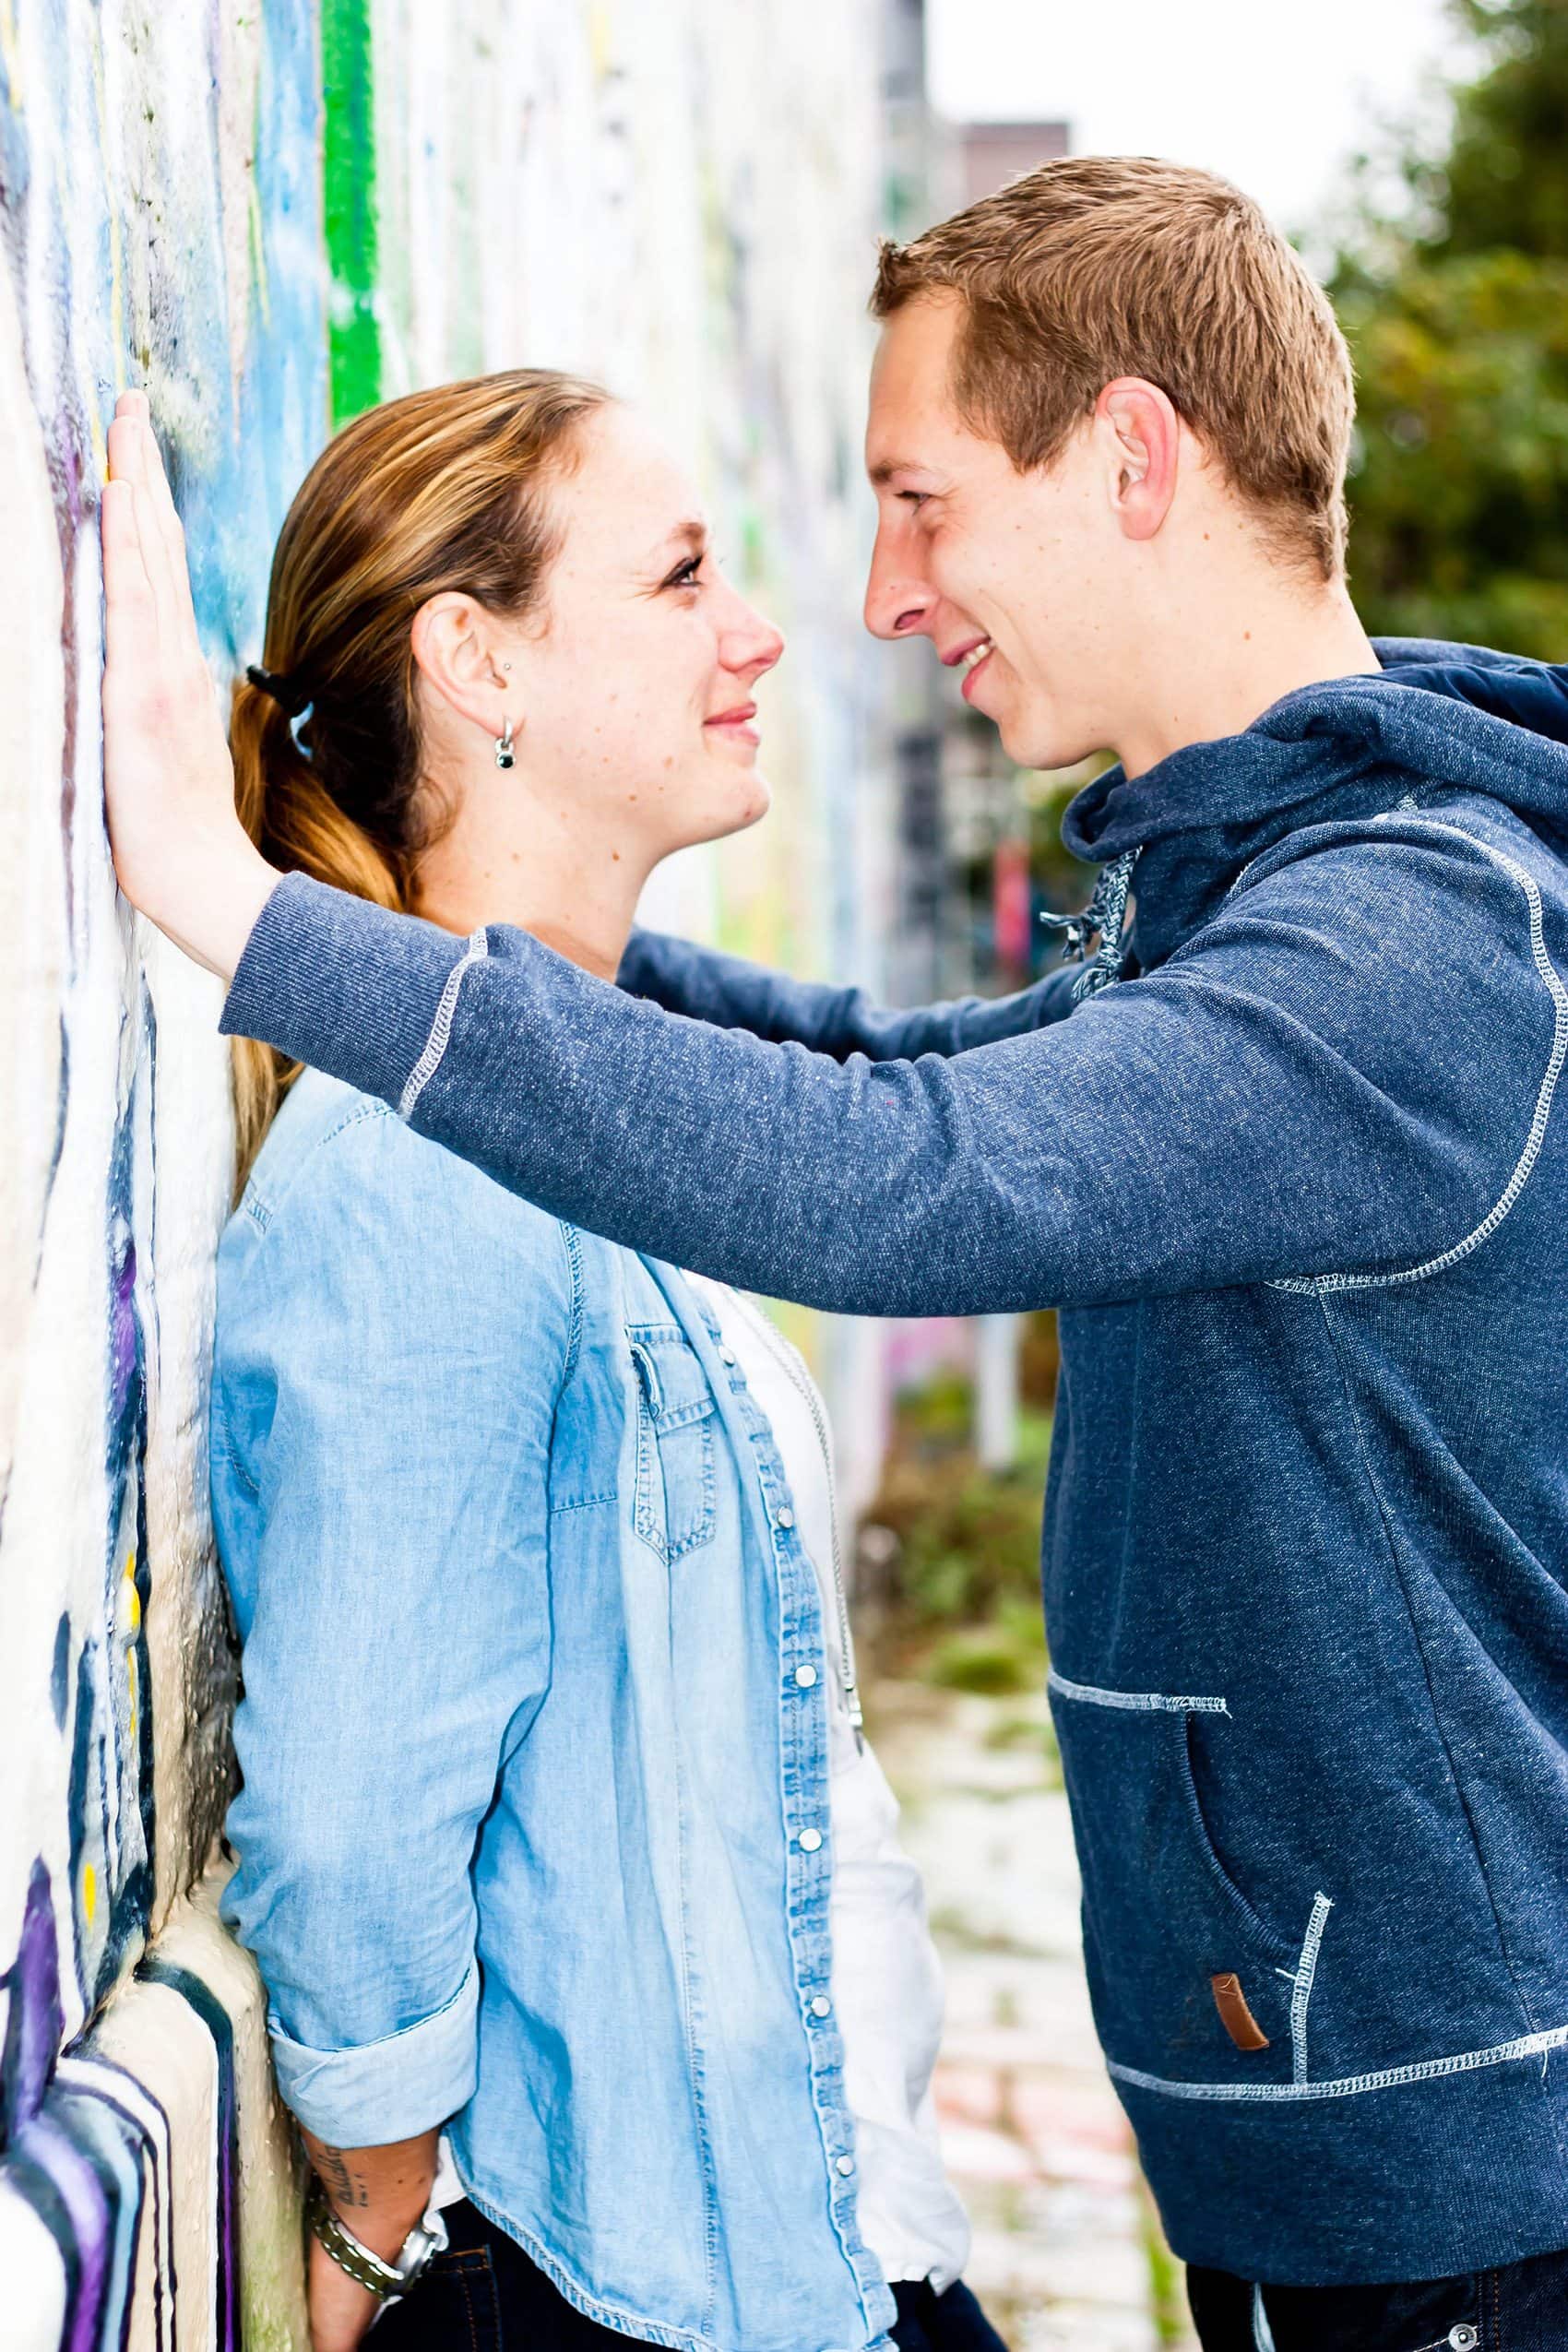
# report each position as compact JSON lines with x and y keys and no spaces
{"x":736,"y":723}
{"x":967,"y":690}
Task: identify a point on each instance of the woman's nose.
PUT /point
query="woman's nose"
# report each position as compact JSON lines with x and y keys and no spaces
{"x":753,"y":644}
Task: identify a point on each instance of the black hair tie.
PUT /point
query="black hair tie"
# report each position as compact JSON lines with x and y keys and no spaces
{"x":293,"y":698}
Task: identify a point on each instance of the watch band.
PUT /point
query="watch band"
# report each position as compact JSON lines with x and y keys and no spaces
{"x":368,"y":2270}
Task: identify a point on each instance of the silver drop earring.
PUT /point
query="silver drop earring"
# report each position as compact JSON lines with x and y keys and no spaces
{"x":504,"y":753}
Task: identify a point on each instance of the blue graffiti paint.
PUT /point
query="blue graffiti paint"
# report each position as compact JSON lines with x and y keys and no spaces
{"x":60,"y":1671}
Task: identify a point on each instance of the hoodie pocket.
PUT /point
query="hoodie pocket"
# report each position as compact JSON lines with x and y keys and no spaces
{"x":674,"y":1505}
{"x":1188,"y":1979}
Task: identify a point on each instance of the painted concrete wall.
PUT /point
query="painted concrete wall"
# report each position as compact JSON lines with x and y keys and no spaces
{"x":273,"y":212}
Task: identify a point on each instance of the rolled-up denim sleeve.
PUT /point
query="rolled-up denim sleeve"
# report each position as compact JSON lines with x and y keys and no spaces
{"x":388,"y":1360}
{"x":707,"y":985}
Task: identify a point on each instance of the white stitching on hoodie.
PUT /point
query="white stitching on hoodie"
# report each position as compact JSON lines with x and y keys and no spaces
{"x":425,"y":1068}
{"x":1134,"y":1702}
{"x":1319,"y":1285}
{"x":1390,"y":2078}
{"x":1301,"y":1977}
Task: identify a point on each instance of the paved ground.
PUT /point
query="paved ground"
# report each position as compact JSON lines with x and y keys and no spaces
{"x":1067,"y":2251}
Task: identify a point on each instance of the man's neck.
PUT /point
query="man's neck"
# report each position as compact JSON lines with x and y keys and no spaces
{"x":1194,"y":687}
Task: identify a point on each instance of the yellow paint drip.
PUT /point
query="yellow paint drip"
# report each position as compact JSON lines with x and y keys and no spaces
{"x":133,"y":1598}
{"x":89,"y":1891}
{"x":598,"y":39}
{"x":11,"y":55}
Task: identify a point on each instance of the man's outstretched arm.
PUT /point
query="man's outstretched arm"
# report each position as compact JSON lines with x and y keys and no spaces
{"x":707,"y":985}
{"x":1193,"y":1131}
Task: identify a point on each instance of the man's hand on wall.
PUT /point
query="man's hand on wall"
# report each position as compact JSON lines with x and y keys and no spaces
{"x":179,"y":851}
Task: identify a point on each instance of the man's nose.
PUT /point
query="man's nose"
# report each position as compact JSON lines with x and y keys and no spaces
{"x":899,"y":602}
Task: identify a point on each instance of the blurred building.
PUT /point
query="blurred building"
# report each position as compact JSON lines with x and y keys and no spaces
{"x":990,"y":154}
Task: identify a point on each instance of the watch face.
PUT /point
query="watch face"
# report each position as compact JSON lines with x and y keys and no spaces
{"x":418,"y":2251}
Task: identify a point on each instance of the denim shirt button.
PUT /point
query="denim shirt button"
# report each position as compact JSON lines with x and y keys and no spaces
{"x":726,"y":1355}
{"x":810,"y":1840}
{"x":1463,"y":2337}
{"x":844,"y":2166}
{"x":784,"y":1518}
{"x":821,"y":2005}
{"x":805,"y":1676}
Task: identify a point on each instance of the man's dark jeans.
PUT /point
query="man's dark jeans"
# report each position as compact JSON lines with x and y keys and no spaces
{"x":1521,"y":2308}
{"x":484,"y":2295}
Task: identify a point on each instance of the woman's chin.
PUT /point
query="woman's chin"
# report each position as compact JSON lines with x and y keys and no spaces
{"x":742,"y":807}
{"x":759,"y":800}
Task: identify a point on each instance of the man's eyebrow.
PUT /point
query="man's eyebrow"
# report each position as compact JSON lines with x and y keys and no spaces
{"x":886,"y":467}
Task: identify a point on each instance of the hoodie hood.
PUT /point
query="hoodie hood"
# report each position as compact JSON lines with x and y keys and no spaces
{"x":1436,"y":718}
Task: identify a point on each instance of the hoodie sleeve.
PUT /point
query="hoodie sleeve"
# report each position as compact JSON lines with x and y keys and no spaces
{"x":735,"y":994}
{"x":1340,"y":1075}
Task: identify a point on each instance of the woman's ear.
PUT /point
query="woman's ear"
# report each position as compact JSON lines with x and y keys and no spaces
{"x":455,"y":645}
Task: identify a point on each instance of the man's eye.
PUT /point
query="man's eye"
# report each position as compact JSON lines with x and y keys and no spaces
{"x":914,"y":497}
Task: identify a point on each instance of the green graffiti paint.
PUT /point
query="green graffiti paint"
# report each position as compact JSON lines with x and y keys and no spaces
{"x":349,"y":206}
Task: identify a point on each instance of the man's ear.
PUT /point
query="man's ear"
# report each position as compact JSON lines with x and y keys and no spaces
{"x":1145,"y":437}
{"x":454,"y":644}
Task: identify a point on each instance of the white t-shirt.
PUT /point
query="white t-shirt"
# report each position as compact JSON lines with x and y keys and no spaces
{"x":887,"y":1977}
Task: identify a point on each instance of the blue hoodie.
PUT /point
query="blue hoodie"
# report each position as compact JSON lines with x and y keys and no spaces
{"x":1296,"y":1184}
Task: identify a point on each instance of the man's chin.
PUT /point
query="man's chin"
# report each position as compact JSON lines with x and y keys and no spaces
{"x":1036,"y":739}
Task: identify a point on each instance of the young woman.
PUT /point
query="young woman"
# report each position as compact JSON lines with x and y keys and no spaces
{"x":598,"y":1985}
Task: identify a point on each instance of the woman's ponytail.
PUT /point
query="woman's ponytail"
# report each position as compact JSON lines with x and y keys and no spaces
{"x":297,"y":828}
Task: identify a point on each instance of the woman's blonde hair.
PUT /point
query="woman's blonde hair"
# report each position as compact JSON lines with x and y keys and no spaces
{"x":445,"y":490}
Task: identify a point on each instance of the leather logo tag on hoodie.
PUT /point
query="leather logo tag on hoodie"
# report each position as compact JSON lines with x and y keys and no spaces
{"x":1234,"y":2014}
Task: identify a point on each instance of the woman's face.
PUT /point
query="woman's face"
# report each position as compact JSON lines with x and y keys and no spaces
{"x":634,"y":686}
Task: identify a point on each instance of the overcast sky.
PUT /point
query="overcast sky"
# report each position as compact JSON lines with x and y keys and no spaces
{"x":1274,"y":96}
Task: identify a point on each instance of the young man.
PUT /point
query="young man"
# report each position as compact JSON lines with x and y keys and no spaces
{"x":1288,"y":1163}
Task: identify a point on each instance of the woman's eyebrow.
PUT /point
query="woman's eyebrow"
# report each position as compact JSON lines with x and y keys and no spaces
{"x":693,"y":533}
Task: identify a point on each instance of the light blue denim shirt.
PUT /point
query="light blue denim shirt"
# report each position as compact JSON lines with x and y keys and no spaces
{"x":534,"y":1836}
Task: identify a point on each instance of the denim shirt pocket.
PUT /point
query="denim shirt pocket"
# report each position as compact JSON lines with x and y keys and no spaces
{"x":674,"y":1505}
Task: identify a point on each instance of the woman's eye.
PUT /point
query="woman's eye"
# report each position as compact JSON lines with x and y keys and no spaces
{"x":688,"y":573}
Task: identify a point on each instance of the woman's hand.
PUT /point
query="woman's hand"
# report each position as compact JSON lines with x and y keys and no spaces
{"x":378,"y":2193}
{"x":179,"y":851}
{"x":340,"y":2308}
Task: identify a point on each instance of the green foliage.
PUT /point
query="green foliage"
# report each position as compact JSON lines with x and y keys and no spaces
{"x":962,"y":1601}
{"x":1506,"y":180}
{"x":1458,"y":323}
{"x":968,"y":1539}
{"x":999,"y":1659}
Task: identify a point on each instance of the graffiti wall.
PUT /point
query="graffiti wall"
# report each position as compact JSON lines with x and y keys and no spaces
{"x":272,"y":213}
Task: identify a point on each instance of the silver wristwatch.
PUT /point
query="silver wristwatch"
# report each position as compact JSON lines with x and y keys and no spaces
{"x":418,"y":2249}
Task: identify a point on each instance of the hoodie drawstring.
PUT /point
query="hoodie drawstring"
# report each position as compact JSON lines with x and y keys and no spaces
{"x":1106,"y":914}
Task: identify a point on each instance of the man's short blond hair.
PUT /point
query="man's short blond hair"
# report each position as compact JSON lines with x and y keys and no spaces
{"x":1101,"y":266}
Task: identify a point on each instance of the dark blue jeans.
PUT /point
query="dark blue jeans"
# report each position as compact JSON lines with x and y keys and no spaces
{"x":1521,"y":2308}
{"x":484,"y":2295}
